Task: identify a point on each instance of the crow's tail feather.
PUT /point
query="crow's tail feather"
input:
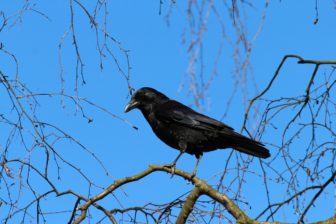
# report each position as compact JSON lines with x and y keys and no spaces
{"x":250,"y":146}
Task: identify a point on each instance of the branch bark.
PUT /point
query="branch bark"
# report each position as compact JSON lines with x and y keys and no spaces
{"x":188,"y":206}
{"x":201,"y":188}
{"x":331,"y":220}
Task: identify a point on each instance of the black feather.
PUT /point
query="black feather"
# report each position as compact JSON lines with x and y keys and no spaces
{"x":185,"y":129}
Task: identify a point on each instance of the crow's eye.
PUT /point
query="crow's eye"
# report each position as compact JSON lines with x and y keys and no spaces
{"x":147,"y":94}
{"x":139,"y":95}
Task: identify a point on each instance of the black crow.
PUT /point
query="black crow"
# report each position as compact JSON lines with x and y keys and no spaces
{"x":184,"y":129}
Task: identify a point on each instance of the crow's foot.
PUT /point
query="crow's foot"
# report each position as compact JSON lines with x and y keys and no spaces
{"x":172,"y":166}
{"x":193,"y":174}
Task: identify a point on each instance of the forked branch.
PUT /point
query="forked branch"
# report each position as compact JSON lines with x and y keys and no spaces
{"x":301,"y":60}
{"x":201,"y":188}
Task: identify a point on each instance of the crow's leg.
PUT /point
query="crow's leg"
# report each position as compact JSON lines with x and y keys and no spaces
{"x":173,"y":164}
{"x":183,"y":147}
{"x":179,"y":155}
{"x":196,"y":166}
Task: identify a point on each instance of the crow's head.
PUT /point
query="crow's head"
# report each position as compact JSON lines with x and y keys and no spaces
{"x":144,"y":98}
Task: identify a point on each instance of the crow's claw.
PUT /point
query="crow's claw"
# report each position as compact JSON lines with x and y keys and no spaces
{"x":193,"y":175}
{"x":172,"y":167}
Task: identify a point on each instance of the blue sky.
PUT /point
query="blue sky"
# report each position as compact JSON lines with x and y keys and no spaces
{"x":158,"y":59}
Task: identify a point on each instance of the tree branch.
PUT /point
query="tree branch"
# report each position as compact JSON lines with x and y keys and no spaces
{"x":300,"y":61}
{"x":188,"y":205}
{"x":331,"y":220}
{"x":201,"y":187}
{"x":316,"y":196}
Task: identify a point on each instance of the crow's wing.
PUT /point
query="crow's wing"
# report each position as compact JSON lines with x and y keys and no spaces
{"x":173,"y":111}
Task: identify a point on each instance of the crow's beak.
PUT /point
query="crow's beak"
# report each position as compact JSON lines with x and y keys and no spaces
{"x":131,"y":105}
